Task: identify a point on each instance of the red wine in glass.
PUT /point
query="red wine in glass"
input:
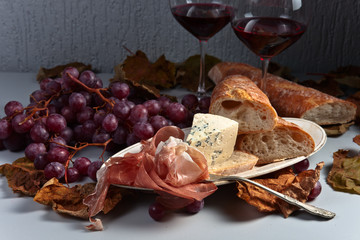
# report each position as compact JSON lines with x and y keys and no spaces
{"x":203,"y":20}
{"x":268,"y":36}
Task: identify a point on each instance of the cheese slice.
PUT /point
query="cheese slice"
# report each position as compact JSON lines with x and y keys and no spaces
{"x":214,"y":136}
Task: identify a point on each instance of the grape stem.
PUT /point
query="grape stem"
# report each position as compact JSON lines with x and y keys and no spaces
{"x":93,"y":90}
{"x":80,"y":147}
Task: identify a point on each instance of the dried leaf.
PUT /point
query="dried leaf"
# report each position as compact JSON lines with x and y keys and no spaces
{"x":22,"y":176}
{"x":69,"y":201}
{"x":338,"y":129}
{"x":347,"y":75}
{"x":137,"y":69}
{"x":284,"y":181}
{"x":56,"y":71}
{"x":325,"y":85}
{"x":355,"y":98}
{"x":345,"y":172}
{"x":281,"y":71}
{"x":188,"y":72}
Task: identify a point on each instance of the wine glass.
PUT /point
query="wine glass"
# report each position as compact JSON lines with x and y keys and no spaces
{"x":203,"y":19}
{"x":268,"y":27}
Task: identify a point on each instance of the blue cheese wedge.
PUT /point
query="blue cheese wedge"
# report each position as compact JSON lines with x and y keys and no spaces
{"x":214,"y":136}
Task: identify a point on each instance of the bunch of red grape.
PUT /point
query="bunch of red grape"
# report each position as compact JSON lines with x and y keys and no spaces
{"x":76,"y":109}
{"x":303,"y":166}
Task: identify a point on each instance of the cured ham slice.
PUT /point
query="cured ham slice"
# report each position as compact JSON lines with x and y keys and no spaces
{"x":166,"y":164}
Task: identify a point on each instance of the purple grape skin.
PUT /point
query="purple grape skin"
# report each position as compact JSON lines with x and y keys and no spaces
{"x":88,"y":78}
{"x":34,"y":149}
{"x":164,"y":102}
{"x":72,"y":175}
{"x":143,"y":130}
{"x":132,"y":139}
{"x":315,"y":192}
{"x":85,"y":114}
{"x":176,"y":112}
{"x":21,"y":124}
{"x":158,"y":122}
{"x":98,"y":83}
{"x":100,"y":137}
{"x":39,"y":133}
{"x":138,"y":114}
{"x":99,"y":117}
{"x":13,"y":107}
{"x":57,"y":142}
{"x":93,"y":168}
{"x":40,"y":161}
{"x":54,"y":170}
{"x":121,"y":110}
{"x":120,"y":134}
{"x":68,"y":82}
{"x":88,"y":130}
{"x":44,"y":82}
{"x":68,"y":114}
{"x":52,"y":88}
{"x":153,"y":107}
{"x":120,"y":90}
{"x":157,"y":211}
{"x":82,"y":164}
{"x":67,"y":134}
{"x":190,"y":101}
{"x":110,"y":123}
{"x":58,"y":154}
{"x":16,"y":142}
{"x":204,"y":104}
{"x":56,"y":123}
{"x":77,"y":101}
{"x":195,"y":206}
{"x":5,"y":129}
{"x":301,"y":166}
{"x":37,"y":96}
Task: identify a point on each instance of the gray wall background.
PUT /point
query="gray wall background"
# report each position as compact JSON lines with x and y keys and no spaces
{"x":35,"y":33}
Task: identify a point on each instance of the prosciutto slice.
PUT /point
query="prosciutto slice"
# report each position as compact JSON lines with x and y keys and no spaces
{"x":166,"y":164}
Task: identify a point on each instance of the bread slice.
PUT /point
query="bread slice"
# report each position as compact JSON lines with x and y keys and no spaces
{"x":238,"y":98}
{"x":238,"y":162}
{"x":291,"y":99}
{"x":287,"y":140}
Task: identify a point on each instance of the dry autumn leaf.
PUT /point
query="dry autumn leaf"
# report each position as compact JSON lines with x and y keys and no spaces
{"x":69,"y":201}
{"x":345,"y":172}
{"x":338,"y":129}
{"x":284,"y":181}
{"x":22,"y":176}
{"x":188,"y":72}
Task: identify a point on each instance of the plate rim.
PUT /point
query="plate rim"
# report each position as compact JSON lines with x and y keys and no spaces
{"x":265,"y":169}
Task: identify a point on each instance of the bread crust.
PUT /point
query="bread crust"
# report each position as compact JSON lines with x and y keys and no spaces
{"x":280,"y":136}
{"x":291,"y":99}
{"x":240,"y":90}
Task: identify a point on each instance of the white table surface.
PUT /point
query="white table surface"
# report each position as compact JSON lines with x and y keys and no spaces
{"x":223,"y":217}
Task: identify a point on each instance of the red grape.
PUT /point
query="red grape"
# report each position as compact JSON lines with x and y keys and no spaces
{"x":120,"y":90}
{"x":56,"y":123}
{"x":176,"y":112}
{"x":22,"y":123}
{"x":85,"y":114}
{"x":122,"y":110}
{"x":93,"y":168}
{"x":72,"y":175}
{"x":158,"y":122}
{"x":15,"y":142}
{"x":82,"y":164}
{"x":39,"y":133}
{"x":58,"y":154}
{"x":195,"y":206}
{"x":143,"y":130}
{"x":34,"y":149}
{"x":40,"y":162}
{"x":5,"y":129}
{"x":157,"y":211}
{"x":110,"y":123}
{"x":57,"y":142}
{"x":138,"y":113}
{"x":120,"y":134}
{"x":204,"y":104}
{"x":315,"y":192}
{"x":190,"y":101}
{"x":13,"y":107}
{"x":153,"y":107}
{"x":301,"y":166}
{"x":77,"y":101}
{"x":54,"y":170}
{"x":88,"y":78}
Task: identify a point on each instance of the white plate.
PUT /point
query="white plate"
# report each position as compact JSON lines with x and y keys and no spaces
{"x":317,"y":133}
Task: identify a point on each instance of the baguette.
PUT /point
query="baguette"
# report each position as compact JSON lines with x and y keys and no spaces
{"x":237,"y":163}
{"x":287,"y":140}
{"x":291,"y":99}
{"x":239,"y":99}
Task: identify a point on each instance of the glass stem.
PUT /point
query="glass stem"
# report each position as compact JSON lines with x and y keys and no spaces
{"x":201,"y":88}
{"x":265,"y":65}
